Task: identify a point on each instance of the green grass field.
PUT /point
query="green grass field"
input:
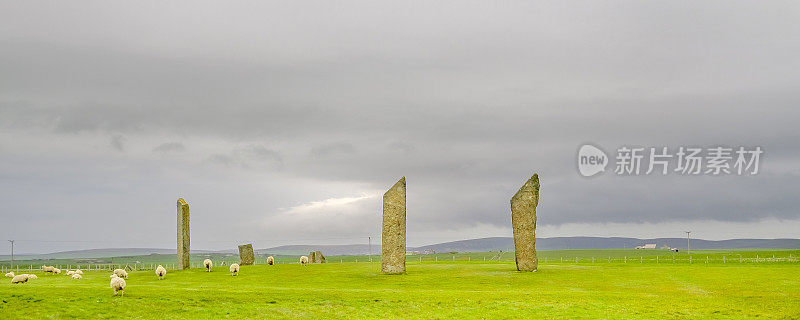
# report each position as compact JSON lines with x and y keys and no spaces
{"x":430,"y":290}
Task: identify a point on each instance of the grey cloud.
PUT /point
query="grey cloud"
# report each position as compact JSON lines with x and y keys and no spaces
{"x":168,"y":147}
{"x":333,"y":148}
{"x":331,"y":103}
{"x":118,"y":142}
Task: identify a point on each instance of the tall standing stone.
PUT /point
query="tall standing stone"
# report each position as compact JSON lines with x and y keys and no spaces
{"x":246,"y":255}
{"x":318,"y":257}
{"x":183,"y":234}
{"x":523,"y":220}
{"x":393,"y":254}
{"x":311,"y":258}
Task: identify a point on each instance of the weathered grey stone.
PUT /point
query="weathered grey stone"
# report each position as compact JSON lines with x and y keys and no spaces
{"x":246,"y":255}
{"x":393,"y":254}
{"x":318,"y":257}
{"x":523,"y":220}
{"x":311,"y":257}
{"x":183,"y":234}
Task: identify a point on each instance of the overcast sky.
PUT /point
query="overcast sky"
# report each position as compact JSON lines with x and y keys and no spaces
{"x":284,"y":122}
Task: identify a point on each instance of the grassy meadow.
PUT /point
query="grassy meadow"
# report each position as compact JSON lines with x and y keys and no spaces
{"x":443,"y":289}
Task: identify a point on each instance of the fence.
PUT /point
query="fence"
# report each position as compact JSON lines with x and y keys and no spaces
{"x":450,"y":258}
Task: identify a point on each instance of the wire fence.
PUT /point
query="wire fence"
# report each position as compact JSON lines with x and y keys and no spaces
{"x":449,"y":258}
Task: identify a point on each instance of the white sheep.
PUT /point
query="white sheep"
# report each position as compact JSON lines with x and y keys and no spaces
{"x":70,"y":273}
{"x":56,"y":270}
{"x":10,"y":274}
{"x":161,"y":272}
{"x":118,"y":284}
{"x":270,"y":260}
{"x":208,"y":264}
{"x":32,"y":277}
{"x":78,"y":271}
{"x":234,"y":269}
{"x":121,"y":273}
{"x":76,"y":276}
{"x":303,"y":260}
{"x":48,"y":269}
{"x":20,"y":278}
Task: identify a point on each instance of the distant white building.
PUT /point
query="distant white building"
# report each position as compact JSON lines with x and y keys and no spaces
{"x":647,"y":246}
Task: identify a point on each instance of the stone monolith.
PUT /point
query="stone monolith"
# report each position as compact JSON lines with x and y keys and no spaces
{"x":318,"y":257}
{"x":183,"y":234}
{"x":523,"y":221}
{"x":246,"y":255}
{"x":311,"y":258}
{"x":393,"y":252}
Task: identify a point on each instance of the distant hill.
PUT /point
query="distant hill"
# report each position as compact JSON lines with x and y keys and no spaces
{"x":328,"y":250}
{"x":472,"y":245}
{"x":98,"y":253}
{"x":562,"y":243}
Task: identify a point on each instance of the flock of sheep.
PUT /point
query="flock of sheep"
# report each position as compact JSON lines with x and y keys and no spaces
{"x":23,"y":278}
{"x":119,"y":275}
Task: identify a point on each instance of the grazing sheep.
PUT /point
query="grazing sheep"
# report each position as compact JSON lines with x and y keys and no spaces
{"x":78,"y":271}
{"x":48,"y":269}
{"x":77,"y":276}
{"x":121,"y":273}
{"x":161,"y":272}
{"x":70,"y":273}
{"x":20,"y":278}
{"x":56,"y":270}
{"x":234,"y":269}
{"x":118,"y":284}
{"x":208,"y":264}
{"x":10,"y":274}
{"x":303,"y":260}
{"x":32,"y":277}
{"x":270,"y":260}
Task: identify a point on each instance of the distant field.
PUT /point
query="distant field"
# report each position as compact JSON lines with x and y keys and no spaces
{"x":444,"y":289}
{"x":559,"y":256}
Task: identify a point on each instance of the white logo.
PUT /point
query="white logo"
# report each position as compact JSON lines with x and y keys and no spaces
{"x":591,"y":160}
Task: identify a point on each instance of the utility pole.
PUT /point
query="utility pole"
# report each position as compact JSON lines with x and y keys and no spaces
{"x":370,"y":248}
{"x":688,"y":250}
{"x":12,"y":253}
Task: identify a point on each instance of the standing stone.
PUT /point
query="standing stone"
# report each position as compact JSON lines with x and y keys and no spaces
{"x":523,"y":220}
{"x":318,"y":257}
{"x":183,"y":234}
{"x":246,"y":255}
{"x":393,"y":252}
{"x":311,"y":258}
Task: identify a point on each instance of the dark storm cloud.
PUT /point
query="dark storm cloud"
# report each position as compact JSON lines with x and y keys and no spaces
{"x":302,"y":102}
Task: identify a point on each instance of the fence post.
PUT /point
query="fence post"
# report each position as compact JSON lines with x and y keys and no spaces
{"x":706,"y":259}
{"x":756,"y":258}
{"x":562,"y":259}
{"x":690,"y":259}
{"x":641,"y":259}
{"x":723,"y":259}
{"x":592,"y":259}
{"x":656,"y":259}
{"x":576,"y":259}
{"x":626,"y":259}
